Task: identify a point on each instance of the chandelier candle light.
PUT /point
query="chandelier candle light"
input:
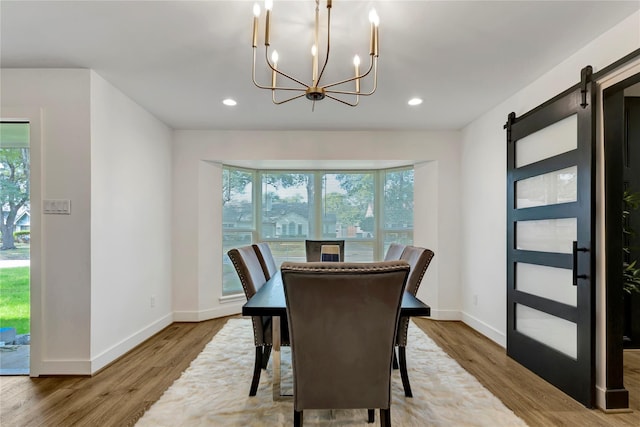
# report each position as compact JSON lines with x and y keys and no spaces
{"x":315,"y":91}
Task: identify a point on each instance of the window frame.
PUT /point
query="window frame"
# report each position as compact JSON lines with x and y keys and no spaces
{"x":315,"y":231}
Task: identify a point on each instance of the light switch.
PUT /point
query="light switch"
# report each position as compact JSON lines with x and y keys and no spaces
{"x":60,"y":206}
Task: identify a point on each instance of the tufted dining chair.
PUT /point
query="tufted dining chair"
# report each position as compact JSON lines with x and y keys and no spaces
{"x":343,"y":318}
{"x":419,"y":259}
{"x":252,"y":277}
{"x":268,"y":263}
{"x":313,"y":248}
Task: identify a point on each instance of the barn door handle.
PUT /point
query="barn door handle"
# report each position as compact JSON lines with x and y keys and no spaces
{"x":577,"y":276}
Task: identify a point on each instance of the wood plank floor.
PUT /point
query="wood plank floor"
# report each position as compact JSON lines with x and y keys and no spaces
{"x":534,"y":400}
{"x":119,"y":394}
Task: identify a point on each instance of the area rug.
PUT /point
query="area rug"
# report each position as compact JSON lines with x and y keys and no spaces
{"x":214,"y":391}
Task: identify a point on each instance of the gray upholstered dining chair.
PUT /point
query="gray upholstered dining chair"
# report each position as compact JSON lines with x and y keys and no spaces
{"x":268,"y":263}
{"x":419,"y":259}
{"x":313,"y":248}
{"x":343,"y":319}
{"x":394,"y":252}
{"x":252,"y":277}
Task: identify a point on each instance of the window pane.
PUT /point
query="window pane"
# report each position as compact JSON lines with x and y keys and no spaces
{"x":398,"y":199}
{"x":237,"y":214}
{"x":230,"y":283}
{"x":404,"y":237}
{"x":556,"y":139}
{"x":237,"y":200}
{"x":358,"y":250}
{"x":288,"y":251}
{"x":347,"y":206}
{"x":548,"y":189}
{"x":552,"y":331}
{"x":287,"y":205}
{"x":547,"y":235}
{"x":547,"y":282}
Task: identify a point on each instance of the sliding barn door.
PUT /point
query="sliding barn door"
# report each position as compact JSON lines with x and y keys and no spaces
{"x":550,"y":238}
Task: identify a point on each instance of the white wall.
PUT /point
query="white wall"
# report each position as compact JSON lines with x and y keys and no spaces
{"x":130,"y":223}
{"x":197,"y":181}
{"x":484,"y":200}
{"x":62,"y":96}
{"x":96,"y":268}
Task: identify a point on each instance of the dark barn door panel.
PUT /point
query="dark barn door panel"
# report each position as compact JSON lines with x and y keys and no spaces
{"x":550,"y":240}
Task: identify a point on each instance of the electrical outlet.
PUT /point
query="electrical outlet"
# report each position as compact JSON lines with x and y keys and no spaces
{"x":475,"y":299}
{"x":152,"y":301}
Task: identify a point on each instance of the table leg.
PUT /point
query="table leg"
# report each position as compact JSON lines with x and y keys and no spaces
{"x":275,"y":357}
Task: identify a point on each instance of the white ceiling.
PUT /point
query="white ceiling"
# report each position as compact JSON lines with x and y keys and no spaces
{"x":180,"y":59}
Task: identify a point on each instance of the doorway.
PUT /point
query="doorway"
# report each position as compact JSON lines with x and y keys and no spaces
{"x":631,"y":225}
{"x":15,"y":242}
{"x":621,"y":119}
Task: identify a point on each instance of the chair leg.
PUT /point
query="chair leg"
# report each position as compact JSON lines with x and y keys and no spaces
{"x":371,"y":415}
{"x":265,"y":356}
{"x":385,"y":417}
{"x":297,"y":418}
{"x":256,"y":372}
{"x":403,"y":371}
{"x":395,"y":359}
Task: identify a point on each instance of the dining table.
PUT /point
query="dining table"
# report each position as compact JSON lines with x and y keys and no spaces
{"x":269,"y":300}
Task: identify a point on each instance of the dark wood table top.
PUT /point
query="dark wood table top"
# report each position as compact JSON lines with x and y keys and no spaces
{"x":269,"y":301}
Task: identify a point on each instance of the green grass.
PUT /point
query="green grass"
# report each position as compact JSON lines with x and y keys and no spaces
{"x":14,"y":298}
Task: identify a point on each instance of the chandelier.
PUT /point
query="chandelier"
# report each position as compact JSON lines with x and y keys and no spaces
{"x":316,"y":90}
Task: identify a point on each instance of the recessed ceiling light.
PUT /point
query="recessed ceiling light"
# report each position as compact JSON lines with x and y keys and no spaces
{"x":415,"y":101}
{"x":229,"y":102}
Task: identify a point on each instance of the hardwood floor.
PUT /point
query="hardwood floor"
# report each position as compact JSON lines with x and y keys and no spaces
{"x":534,"y":400}
{"x":119,"y":394}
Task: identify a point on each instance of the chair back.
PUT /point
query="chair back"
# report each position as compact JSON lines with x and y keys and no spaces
{"x":394,"y":252}
{"x":419,"y":259}
{"x":313,"y":249}
{"x":342,"y":321}
{"x":249,"y":269}
{"x":252,"y":277}
{"x":268,"y":263}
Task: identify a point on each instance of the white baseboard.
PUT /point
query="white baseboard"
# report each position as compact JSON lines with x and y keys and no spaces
{"x":445,"y":315}
{"x":213,"y":313}
{"x":90,"y":367}
{"x":119,"y":349}
{"x":485,"y":329}
{"x":65,"y":367}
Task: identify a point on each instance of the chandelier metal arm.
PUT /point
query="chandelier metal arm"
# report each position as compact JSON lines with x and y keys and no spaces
{"x":254,"y":72}
{"x":345,"y":102}
{"x":274,"y":69}
{"x":371,"y":64}
{"x":271,"y":87}
{"x":274,"y":87}
{"x":375,"y":86}
{"x":273,"y":98}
